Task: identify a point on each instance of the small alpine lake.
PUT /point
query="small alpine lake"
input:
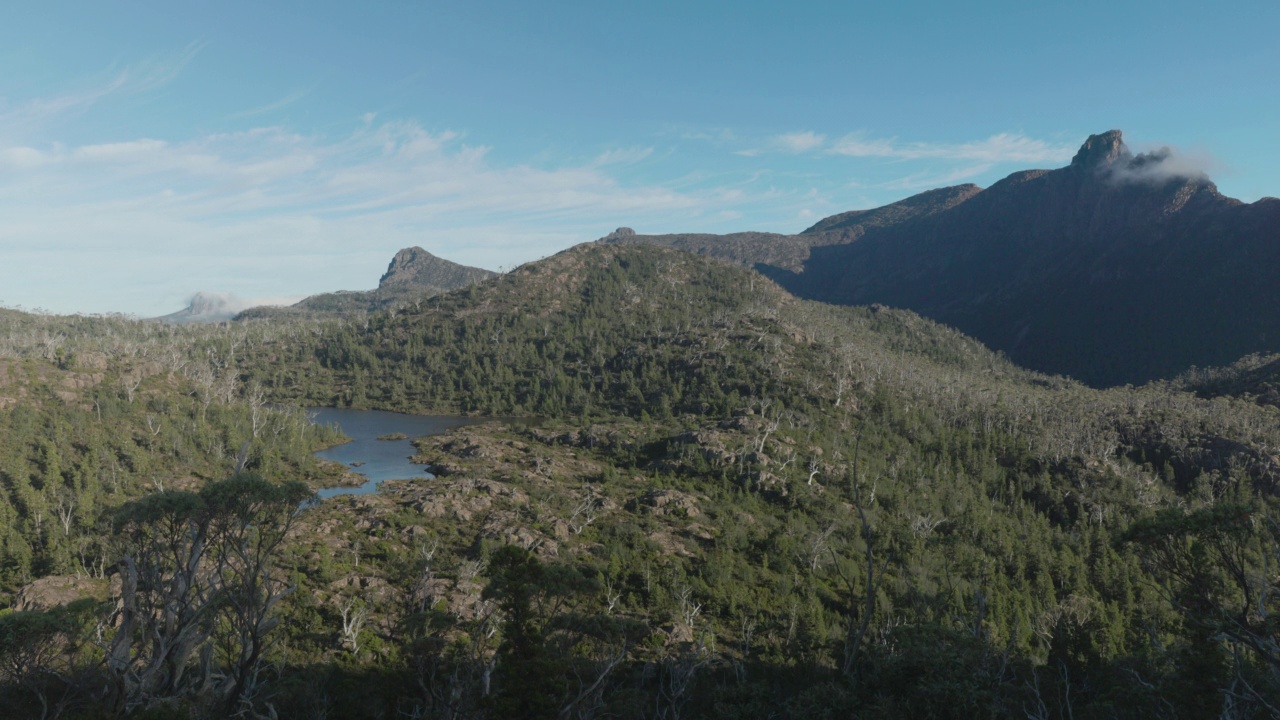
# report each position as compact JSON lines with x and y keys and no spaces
{"x":379,"y":460}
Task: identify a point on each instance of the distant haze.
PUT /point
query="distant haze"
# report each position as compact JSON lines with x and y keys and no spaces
{"x":214,"y":307}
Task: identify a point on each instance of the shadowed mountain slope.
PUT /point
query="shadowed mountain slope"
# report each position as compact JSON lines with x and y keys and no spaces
{"x":1118,"y":268}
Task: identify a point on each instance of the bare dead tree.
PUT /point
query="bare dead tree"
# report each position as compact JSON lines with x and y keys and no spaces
{"x":611,"y":596}
{"x":873,"y":575}
{"x":421,"y":591}
{"x":129,"y":382}
{"x":66,"y":511}
{"x":769,"y":425}
{"x":818,"y":547}
{"x":258,"y":409}
{"x":354,"y":614}
{"x":689,"y":610}
{"x":584,"y":514}
{"x":589,"y":699}
{"x":676,"y":680}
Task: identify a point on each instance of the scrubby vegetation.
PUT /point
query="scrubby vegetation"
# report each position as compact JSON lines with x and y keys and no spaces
{"x":737,"y":504}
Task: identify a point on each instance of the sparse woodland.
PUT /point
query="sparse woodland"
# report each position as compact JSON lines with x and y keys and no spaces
{"x":727,"y":503}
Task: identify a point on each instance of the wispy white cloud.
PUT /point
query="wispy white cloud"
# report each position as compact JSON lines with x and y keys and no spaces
{"x":798,"y":142}
{"x":127,"y":152}
{"x":269,"y":211}
{"x":155,"y":73}
{"x":859,"y":145}
{"x":21,"y":119}
{"x":933,"y":179}
{"x":711,"y":135}
{"x":1001,"y":148}
{"x":270,"y":107}
{"x":21,"y":158}
{"x":793,"y":143}
{"x":622,"y":156}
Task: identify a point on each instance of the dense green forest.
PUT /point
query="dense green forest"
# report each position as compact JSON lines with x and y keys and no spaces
{"x":732,"y":503}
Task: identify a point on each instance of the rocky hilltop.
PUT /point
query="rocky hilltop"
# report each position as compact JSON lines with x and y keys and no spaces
{"x":413,"y":272}
{"x":415,"y":267}
{"x":1118,"y":268}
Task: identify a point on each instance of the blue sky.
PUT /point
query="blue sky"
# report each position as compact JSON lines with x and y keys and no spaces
{"x":272,"y":150}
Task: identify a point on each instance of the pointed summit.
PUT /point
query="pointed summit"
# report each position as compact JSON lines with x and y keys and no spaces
{"x":1101,"y":150}
{"x":417,"y":267}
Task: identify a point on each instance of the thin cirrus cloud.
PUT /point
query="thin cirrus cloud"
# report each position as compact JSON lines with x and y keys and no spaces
{"x":270,"y":107}
{"x":928,"y":179}
{"x":272,"y":211}
{"x":799,"y":142}
{"x":1001,"y":148}
{"x":37,"y":114}
{"x":622,"y":156}
{"x":136,"y":224}
{"x":793,"y":143}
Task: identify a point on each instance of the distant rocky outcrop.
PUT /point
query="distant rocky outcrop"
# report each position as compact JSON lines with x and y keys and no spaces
{"x":415,"y":267}
{"x":1118,"y":268}
{"x":413,"y":272}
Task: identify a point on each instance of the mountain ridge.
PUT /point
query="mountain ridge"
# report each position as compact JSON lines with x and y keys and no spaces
{"x":1117,"y":268}
{"x":412,"y":272}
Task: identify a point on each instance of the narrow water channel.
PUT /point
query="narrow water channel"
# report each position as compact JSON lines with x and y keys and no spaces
{"x":379,"y":460}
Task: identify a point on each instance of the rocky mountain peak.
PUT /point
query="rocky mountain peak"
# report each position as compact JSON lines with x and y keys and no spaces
{"x":406,"y":265}
{"x":622,"y":233}
{"x":418,"y":268}
{"x":1101,"y":150}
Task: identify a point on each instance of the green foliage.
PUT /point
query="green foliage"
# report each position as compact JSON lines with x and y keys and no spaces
{"x":681,"y":536}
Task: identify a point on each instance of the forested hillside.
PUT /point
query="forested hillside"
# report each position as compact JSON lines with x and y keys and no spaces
{"x":100,"y":411}
{"x":728,"y":503}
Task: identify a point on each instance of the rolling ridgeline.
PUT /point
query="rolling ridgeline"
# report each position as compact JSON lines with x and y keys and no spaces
{"x":737,"y":504}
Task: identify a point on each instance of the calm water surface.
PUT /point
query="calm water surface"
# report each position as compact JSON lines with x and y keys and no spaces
{"x":383,"y":459}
